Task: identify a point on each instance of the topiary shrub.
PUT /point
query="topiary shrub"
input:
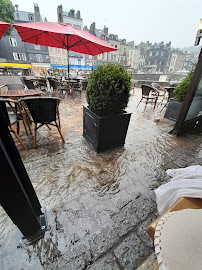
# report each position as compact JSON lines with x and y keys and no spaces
{"x":108,"y":90}
{"x":181,"y":89}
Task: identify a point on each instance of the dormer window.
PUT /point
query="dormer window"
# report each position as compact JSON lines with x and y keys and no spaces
{"x":31,"y":17}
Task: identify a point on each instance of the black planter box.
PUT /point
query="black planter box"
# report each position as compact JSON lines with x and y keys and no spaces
{"x":173,"y":109}
{"x":105,"y":133}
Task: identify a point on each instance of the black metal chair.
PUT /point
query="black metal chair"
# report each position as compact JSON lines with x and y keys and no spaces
{"x":44,"y":111}
{"x":10,"y":118}
{"x":170,"y":91}
{"x":148,"y":95}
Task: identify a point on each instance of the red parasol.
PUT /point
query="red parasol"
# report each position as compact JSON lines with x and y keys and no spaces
{"x":3,"y":27}
{"x":63,"y":36}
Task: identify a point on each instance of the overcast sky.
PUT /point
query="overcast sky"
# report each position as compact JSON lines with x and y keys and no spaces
{"x":139,"y":20}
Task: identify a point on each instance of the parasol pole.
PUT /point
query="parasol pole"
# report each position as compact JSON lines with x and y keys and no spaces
{"x":68,"y":61}
{"x":68,"y":54}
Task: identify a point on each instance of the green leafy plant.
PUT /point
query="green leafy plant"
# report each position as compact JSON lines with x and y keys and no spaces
{"x":108,"y":90}
{"x":182,"y":87}
{"x":7,"y":13}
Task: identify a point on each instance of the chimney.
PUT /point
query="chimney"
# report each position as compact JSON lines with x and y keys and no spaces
{"x":17,"y":12}
{"x":78,"y":15}
{"x":105,"y":30}
{"x":60,"y":13}
{"x":92,"y":29}
{"x":72,"y":13}
{"x":37,"y":13}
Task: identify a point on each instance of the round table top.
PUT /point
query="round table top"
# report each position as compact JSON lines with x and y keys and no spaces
{"x":20,"y":93}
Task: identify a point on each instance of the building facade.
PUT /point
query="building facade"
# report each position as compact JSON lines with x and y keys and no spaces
{"x":124,"y":53}
{"x":134,"y":58}
{"x":158,"y":57}
{"x":13,"y":55}
{"x":59,"y":57}
{"x":37,"y":55}
{"x":177,"y":60}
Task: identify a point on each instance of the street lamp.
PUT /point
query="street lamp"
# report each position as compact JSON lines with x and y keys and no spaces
{"x":199,"y":34}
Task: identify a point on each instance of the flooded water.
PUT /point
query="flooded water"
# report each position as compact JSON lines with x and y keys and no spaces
{"x":93,"y":193}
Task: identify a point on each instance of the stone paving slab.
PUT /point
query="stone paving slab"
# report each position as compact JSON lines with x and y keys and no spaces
{"x":104,"y":201}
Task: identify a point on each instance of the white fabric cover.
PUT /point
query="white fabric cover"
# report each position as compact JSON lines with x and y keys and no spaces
{"x":178,"y":240}
{"x":186,"y":182}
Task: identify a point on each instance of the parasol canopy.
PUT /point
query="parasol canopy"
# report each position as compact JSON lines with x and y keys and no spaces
{"x":3,"y":27}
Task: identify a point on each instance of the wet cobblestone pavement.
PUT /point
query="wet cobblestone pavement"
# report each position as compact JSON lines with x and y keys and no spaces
{"x":102,"y":202}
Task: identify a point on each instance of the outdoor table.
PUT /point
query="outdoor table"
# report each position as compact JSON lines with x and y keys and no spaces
{"x":20,"y":93}
{"x":71,"y":82}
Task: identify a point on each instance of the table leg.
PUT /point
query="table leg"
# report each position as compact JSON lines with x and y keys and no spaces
{"x":73,"y":94}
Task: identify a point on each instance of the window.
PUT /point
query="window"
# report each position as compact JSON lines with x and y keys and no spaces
{"x":115,"y":46}
{"x":103,"y":56}
{"x":24,"y":58}
{"x":39,"y":58}
{"x":111,"y":57}
{"x":31,"y":17}
{"x":161,"y":53}
{"x":37,"y":47}
{"x":157,"y":53}
{"x":13,"y":42}
{"x":79,"y":62}
{"x":150,"y":54}
{"x":57,"y":50}
{"x":16,"y":56}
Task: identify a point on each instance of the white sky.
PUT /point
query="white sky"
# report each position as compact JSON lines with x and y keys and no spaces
{"x":139,"y":20}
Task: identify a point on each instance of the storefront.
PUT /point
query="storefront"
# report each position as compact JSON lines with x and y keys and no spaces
{"x":15,"y":69}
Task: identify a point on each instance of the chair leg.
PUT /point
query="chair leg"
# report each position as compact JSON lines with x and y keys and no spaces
{"x":18,"y":127}
{"x":163,"y":107}
{"x":48,"y":127}
{"x":139,"y":102}
{"x":29,"y":126}
{"x":59,"y":130}
{"x":146,"y":104}
{"x":34,"y":138}
{"x":155,"y":103}
{"x":17,"y":137}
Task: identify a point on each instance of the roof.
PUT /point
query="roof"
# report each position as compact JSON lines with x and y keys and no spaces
{"x":24,"y":16}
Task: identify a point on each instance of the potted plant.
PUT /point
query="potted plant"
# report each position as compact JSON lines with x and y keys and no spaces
{"x":105,"y":122}
{"x":175,"y":104}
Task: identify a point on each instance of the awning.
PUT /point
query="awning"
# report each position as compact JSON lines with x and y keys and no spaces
{"x":73,"y":66}
{"x":41,"y":65}
{"x":14,"y":65}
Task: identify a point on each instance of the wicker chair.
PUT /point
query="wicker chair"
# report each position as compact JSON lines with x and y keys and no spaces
{"x":56,"y":86}
{"x":14,"y":86}
{"x":11,"y":119}
{"x":84,"y":85}
{"x":171,"y":94}
{"x":44,"y":111}
{"x":29,"y":84}
{"x":160,"y":91}
{"x":148,"y":95}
